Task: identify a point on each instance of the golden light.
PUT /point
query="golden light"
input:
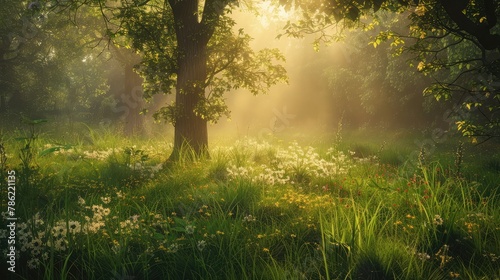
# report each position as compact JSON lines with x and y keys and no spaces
{"x":269,"y":13}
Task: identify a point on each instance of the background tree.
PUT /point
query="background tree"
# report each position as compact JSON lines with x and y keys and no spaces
{"x":378,"y":87}
{"x":48,"y":64}
{"x":460,"y":52}
{"x":456,"y":43}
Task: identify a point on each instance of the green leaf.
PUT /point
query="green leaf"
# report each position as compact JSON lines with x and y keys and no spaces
{"x":26,"y":120}
{"x":49,"y":151}
{"x":54,"y":149}
{"x":179,"y":229}
{"x":158,"y":236}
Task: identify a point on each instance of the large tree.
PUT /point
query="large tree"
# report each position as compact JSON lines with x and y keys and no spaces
{"x":189,"y":46}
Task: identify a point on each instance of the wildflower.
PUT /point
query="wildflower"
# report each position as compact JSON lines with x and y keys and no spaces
{"x":60,"y":245}
{"x":81,"y":201}
{"x":173,"y":248}
{"x":266,"y":250}
{"x":249,"y":218}
{"x":21,"y":227}
{"x":156,"y":168}
{"x":59,"y":231}
{"x":442,"y":256}
{"x":33,"y":263}
{"x":116,"y":247}
{"x":95,"y":226}
{"x":219,"y":232}
{"x":120,"y":194}
{"x":437,"y":220}
{"x":74,"y":227}
{"x":201,"y":245}
{"x":38,"y":220}
{"x":100,"y":211}
{"x":134,"y":218}
{"x":161,"y":247}
{"x":36,"y":244}
{"x":423,"y":256}
{"x":190,"y":229}
{"x":106,"y":200}
{"x":470,"y":226}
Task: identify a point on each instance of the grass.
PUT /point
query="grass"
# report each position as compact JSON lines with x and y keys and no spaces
{"x":105,"y":209}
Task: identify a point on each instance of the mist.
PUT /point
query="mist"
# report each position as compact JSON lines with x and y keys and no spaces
{"x":304,"y":104}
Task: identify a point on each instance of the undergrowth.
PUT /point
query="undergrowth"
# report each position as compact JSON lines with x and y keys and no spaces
{"x":253,"y":210}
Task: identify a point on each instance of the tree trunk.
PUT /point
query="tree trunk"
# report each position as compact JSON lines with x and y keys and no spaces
{"x":133,"y":97}
{"x":191,"y":135}
{"x":3,"y":100}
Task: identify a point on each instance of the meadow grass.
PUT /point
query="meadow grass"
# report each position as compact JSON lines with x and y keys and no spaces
{"x":105,"y":207}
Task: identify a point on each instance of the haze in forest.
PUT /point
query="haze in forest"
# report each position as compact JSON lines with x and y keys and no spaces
{"x":348,"y":82}
{"x":311,"y":102}
{"x":304,"y":104}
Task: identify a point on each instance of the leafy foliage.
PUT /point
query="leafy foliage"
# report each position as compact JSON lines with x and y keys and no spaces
{"x":231,"y":62}
{"x":454,"y":43}
{"x":462,"y":66}
{"x":49,"y":65}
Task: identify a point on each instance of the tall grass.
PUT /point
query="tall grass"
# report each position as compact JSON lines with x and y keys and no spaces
{"x":253,"y":210}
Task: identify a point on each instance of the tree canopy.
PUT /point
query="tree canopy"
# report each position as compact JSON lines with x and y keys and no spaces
{"x":191,"y":47}
{"x":455,"y":43}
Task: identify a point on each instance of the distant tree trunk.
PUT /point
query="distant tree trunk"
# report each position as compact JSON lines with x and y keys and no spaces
{"x":3,"y":106}
{"x":130,"y":95}
{"x":134,"y":121}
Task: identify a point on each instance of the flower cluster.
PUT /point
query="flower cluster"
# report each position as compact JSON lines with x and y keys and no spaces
{"x":97,"y":219}
{"x":239,"y":172}
{"x":38,"y":239}
{"x":295,"y":159}
{"x":289,"y":165}
{"x":249,"y":218}
{"x":100,"y":155}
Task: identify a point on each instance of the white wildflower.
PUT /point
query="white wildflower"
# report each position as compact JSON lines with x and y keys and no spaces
{"x":173,"y":248}
{"x":437,"y":220}
{"x":190,"y":229}
{"x":33,"y":263}
{"x":249,"y":218}
{"x":81,"y":201}
{"x":201,"y":245}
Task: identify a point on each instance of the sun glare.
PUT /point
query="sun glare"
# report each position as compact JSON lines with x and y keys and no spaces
{"x":269,"y":13}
